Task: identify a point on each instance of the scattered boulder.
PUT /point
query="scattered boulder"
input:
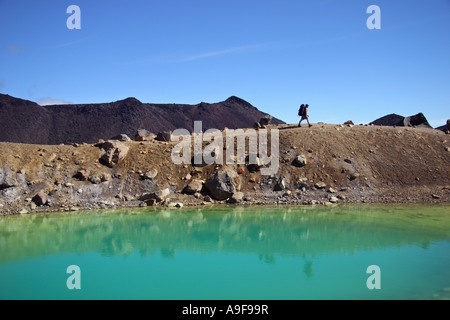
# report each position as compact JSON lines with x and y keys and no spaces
{"x":331,"y":190}
{"x":99,"y":143}
{"x":280,"y":185}
{"x":164,"y":136}
{"x":237,"y":197}
{"x":254,"y":167}
{"x":187,"y":177}
{"x":264,"y":121}
{"x":222,"y":184}
{"x":82,"y":175}
{"x":299,"y":161}
{"x":175,"y":205}
{"x":40,"y":199}
{"x":333,"y":199}
{"x":7,"y":179}
{"x":320,"y":185}
{"x":302,"y":183}
{"x":121,"y":137}
{"x":256,"y":126}
{"x":194,"y":186}
{"x":115,"y":151}
{"x":144,"y":135}
{"x":349,"y":122}
{"x":105,"y":177}
{"x":162,"y":194}
{"x":150,"y":175}
{"x":354,"y":176}
{"x":158,"y":196}
{"x":95,"y":179}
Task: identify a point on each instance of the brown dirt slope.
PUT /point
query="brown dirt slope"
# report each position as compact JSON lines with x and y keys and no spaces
{"x":354,"y":163}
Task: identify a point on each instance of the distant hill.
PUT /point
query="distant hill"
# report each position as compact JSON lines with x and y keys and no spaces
{"x":445,"y":127}
{"x":24,"y":121}
{"x":393,"y":119}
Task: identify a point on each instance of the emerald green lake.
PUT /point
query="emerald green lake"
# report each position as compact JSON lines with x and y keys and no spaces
{"x":229,"y":253}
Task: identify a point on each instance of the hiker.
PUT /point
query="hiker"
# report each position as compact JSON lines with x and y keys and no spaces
{"x":303,"y":113}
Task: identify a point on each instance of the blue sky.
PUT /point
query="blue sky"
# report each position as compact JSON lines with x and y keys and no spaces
{"x":274,"y":54}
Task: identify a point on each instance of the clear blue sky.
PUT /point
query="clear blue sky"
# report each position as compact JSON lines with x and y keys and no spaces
{"x":274,"y":54}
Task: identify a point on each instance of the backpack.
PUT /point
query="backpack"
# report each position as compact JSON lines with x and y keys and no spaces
{"x":301,"y":112}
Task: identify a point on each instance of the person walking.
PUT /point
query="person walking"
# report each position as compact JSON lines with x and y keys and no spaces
{"x":303,"y":113}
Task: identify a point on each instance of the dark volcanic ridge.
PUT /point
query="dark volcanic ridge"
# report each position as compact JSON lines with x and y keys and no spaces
{"x":396,"y":120}
{"x":416,"y":121}
{"x":23,"y":121}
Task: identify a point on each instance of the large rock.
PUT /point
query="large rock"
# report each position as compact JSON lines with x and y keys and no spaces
{"x":237,"y":197}
{"x":95,"y":179}
{"x":164,"y":136}
{"x":121,"y":137}
{"x":256,"y":126}
{"x":222,"y":184}
{"x":299,"y":161}
{"x":254,"y":167}
{"x":115,"y":151}
{"x":40,"y":199}
{"x":264,"y":121}
{"x":194,"y":186}
{"x":144,"y":135}
{"x":150,"y":175}
{"x":158,"y":196}
{"x":82,"y":175}
{"x":7,"y":179}
{"x":281,"y":184}
{"x":320,"y":185}
{"x":162,"y":194}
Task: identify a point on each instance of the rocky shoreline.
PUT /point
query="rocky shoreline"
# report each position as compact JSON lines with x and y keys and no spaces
{"x":324,"y":165}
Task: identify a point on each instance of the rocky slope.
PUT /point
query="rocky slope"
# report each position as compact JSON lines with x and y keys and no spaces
{"x":324,"y":164}
{"x":24,"y":121}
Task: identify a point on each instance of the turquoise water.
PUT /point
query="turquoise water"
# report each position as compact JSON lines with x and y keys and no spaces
{"x":229,"y":253}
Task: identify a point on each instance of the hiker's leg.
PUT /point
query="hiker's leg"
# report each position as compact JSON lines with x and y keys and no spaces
{"x":300,"y":122}
{"x":307,"y":119}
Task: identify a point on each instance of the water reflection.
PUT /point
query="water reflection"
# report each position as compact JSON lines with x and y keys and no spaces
{"x":264,"y":231}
